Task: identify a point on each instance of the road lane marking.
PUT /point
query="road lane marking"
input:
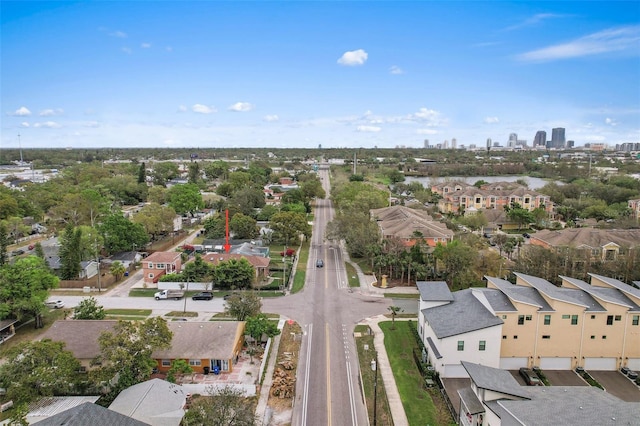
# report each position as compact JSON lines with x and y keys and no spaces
{"x":328,"y":370}
{"x":305,"y":393}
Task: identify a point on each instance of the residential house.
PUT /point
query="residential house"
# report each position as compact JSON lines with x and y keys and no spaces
{"x":80,"y":337}
{"x":591,"y":244}
{"x":161,"y":263}
{"x":260,"y":264}
{"x":127,"y":258}
{"x":410,"y":226}
{"x":531,"y":323}
{"x":7,"y":329}
{"x":495,"y":398}
{"x":205,"y":345}
{"x":155,"y":402}
{"x":48,"y":406}
{"x":88,"y":413}
{"x":88,"y":268}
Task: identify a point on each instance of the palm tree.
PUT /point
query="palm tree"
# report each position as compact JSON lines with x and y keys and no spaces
{"x":117,"y":270}
{"x":395,"y":310}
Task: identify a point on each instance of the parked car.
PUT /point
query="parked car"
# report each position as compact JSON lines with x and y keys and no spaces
{"x":487,"y":235}
{"x":632,"y":375}
{"x":32,"y":246}
{"x":226,"y":297}
{"x":319,"y":263}
{"x":17,"y":252}
{"x":54,"y":304}
{"x":530,"y":377}
{"x":203,"y":295}
{"x":526,"y":235}
{"x":625,"y":370}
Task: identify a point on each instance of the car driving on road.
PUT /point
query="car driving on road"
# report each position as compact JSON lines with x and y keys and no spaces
{"x":55,"y":304}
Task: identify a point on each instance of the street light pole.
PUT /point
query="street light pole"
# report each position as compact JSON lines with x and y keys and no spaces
{"x":374,"y":367}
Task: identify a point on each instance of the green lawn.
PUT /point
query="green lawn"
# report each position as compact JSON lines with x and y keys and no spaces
{"x":135,"y":312}
{"x":402,"y":295}
{"x":417,"y":402}
{"x":354,"y":281}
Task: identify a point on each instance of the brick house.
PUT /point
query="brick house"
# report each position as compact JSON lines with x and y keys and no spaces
{"x":159,"y":264}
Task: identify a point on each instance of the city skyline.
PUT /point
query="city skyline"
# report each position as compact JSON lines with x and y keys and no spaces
{"x":303,"y":74}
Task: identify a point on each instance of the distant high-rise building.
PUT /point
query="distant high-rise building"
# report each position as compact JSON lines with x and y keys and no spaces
{"x":513,"y":139}
{"x":570,"y":144}
{"x":489,"y":143}
{"x":454,"y":143}
{"x":557,"y":138}
{"x":426,"y":143}
{"x":540,"y":139}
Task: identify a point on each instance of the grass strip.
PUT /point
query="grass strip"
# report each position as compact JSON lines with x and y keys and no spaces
{"x":140,"y":312}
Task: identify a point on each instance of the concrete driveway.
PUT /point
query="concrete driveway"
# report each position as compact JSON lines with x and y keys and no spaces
{"x":617,"y":384}
{"x":564,"y":378}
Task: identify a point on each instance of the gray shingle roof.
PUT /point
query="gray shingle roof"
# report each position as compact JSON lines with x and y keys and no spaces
{"x":625,"y":288}
{"x":495,"y":379}
{"x":575,"y":405}
{"x":79,"y":336}
{"x":550,"y":290}
{"x":435,"y":291}
{"x":155,"y":402}
{"x":521,"y":294}
{"x":434,"y":348}
{"x":609,"y":295}
{"x":88,"y":414}
{"x":471,"y":401}
{"x":498,"y":301}
{"x":464,"y":314}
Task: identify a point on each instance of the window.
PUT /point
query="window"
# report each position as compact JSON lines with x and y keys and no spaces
{"x":166,"y":363}
{"x":566,"y":316}
{"x":593,"y":337}
{"x":461,"y":345}
{"x":609,"y":319}
{"x":618,"y":317}
{"x":520,"y":319}
{"x":547,"y":319}
{"x":195,"y":362}
{"x":482,"y":346}
{"x":604,"y":337}
{"x":527,"y":200}
{"x":515,"y":337}
{"x":150,"y":275}
{"x":546,"y":336}
{"x":504,"y":337}
{"x":150,"y":265}
{"x":478,"y":200}
{"x":635,"y":320}
{"x":504,"y":317}
{"x":574,"y":320}
{"x":159,"y":265}
{"x":528,"y":317}
{"x":593,"y":317}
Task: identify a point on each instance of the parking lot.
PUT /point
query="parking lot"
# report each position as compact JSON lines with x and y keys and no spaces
{"x":564,"y":378}
{"x":617,"y":384}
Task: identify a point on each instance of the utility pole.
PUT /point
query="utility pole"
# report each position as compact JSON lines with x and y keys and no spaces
{"x":374,"y":367}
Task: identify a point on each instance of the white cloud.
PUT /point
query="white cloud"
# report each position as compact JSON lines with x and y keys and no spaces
{"x":429,"y":116}
{"x":21,"y":112}
{"x":182,"y":108}
{"x":610,"y":121}
{"x":146,"y":45}
{"x":622,"y":39}
{"x":534,"y":20}
{"x":271,"y":118}
{"x":47,"y":125}
{"x":203,"y":109}
{"x":51,"y":112}
{"x":426,"y":132}
{"x":353,"y":58}
{"x":118,"y":34}
{"x":92,"y":124}
{"x":241,"y":107}
{"x":24,"y":124}
{"x":395,"y":70}
{"x":491,"y":120}
{"x":368,"y":129}
{"x":127,"y":50}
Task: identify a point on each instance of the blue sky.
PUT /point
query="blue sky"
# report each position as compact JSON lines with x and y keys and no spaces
{"x":304,"y":74}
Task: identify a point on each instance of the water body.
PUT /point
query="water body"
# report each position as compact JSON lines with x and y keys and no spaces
{"x":532,"y":182}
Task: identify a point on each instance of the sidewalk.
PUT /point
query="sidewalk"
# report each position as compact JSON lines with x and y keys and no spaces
{"x":384,"y":367}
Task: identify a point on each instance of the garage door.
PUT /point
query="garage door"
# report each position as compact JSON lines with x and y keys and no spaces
{"x":513,"y":363}
{"x":603,"y":364}
{"x":455,"y":370}
{"x":555,"y":363}
{"x":634,"y":364}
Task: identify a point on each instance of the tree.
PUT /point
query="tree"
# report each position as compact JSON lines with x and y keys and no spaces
{"x":215,"y":226}
{"x":120,"y":234}
{"x":194,"y":172}
{"x":185,"y":198}
{"x":519,"y":215}
{"x":125,"y":352}
{"x":156,"y":219}
{"x":288,"y":226}
{"x":226,"y":407}
{"x":88,"y":309}
{"x":259,"y":324}
{"x":233,"y":274}
{"x":242,"y":305}
{"x":4,"y":243}
{"x":244,"y":227}
{"x":500,"y":240}
{"x":179,"y":366}
{"x":395,"y":310}
{"x":216,"y":169}
{"x":247,"y":200}
{"x":117,"y":269}
{"x":457,"y":258}
{"x":142,"y":173}
{"x":70,"y":253}
{"x":164,"y":171}
{"x":197,"y":270}
{"x":38,"y":368}
{"x":24,"y":287}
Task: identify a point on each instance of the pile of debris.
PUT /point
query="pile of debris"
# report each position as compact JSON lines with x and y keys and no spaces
{"x":283,"y":378}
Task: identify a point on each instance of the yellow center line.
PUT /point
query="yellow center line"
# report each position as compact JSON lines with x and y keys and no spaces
{"x":328,"y":370}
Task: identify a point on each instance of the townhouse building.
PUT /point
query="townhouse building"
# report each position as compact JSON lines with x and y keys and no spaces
{"x":531,"y":323}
